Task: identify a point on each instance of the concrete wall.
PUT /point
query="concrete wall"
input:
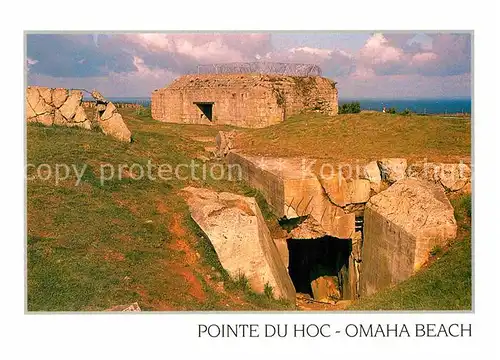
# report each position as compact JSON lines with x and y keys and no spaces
{"x":291,"y":192}
{"x":388,"y":253}
{"x":244,"y":100}
{"x":401,"y":226}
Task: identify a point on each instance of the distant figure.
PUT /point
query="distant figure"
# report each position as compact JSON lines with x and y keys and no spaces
{"x":383,"y":109}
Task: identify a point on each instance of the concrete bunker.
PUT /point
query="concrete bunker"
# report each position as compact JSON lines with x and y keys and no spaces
{"x":250,"y":99}
{"x":363,"y":234}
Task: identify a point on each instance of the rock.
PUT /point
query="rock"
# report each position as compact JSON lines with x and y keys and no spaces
{"x":109,"y":112}
{"x":371,"y":172}
{"x":308,"y":229}
{"x":84,"y":125}
{"x":326,"y":289}
{"x":358,"y":191}
{"x":401,"y":225}
{"x":68,"y":109}
{"x":46,"y":119}
{"x":80,"y":115}
{"x":134,"y":307}
{"x":393,"y":169}
{"x":100,"y":107}
{"x":424,"y":171}
{"x":454,"y":176}
{"x":115,"y":126}
{"x":58,"y":118}
{"x":98,"y":97}
{"x":235,"y":227}
{"x":59,"y":97}
{"x":336,"y":188}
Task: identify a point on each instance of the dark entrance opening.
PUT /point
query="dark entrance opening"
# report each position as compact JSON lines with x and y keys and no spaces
{"x":206,"y":108}
{"x":312,"y":258}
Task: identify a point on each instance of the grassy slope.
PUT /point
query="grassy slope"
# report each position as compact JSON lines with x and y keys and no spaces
{"x":445,"y":285}
{"x":91,"y":247}
{"x":365,"y":136}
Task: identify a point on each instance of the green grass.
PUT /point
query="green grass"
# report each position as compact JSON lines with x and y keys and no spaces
{"x":363,"y":137}
{"x":445,"y":285}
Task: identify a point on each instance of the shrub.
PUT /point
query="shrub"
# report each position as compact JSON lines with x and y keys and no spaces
{"x":391,"y":110}
{"x":350,"y":108}
{"x":406,"y":112}
{"x":268,"y":291}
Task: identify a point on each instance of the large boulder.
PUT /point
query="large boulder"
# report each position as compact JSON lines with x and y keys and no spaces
{"x":393,"y":169}
{"x":80,"y":115}
{"x":71,"y":105}
{"x":235,"y":227}
{"x":401,"y":226}
{"x":111,"y":123}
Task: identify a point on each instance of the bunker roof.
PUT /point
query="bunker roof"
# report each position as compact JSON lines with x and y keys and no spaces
{"x":197,"y":81}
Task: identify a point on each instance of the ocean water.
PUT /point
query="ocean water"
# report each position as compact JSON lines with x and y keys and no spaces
{"x":420,"y":106}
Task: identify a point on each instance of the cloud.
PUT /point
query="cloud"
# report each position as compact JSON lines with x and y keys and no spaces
{"x":136,"y":64}
{"x":449,"y":54}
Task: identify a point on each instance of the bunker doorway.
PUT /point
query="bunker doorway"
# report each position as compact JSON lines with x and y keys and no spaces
{"x":206,"y":109}
{"x":310,"y":259}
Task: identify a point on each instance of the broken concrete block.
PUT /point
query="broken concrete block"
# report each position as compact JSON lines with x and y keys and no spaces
{"x":235,"y":227}
{"x":401,"y":225}
{"x":72,"y":103}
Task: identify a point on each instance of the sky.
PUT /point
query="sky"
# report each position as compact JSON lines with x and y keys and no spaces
{"x":364,"y":65}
